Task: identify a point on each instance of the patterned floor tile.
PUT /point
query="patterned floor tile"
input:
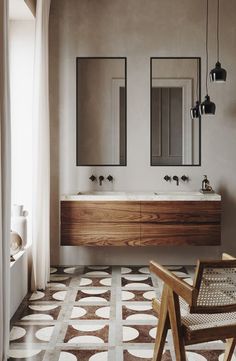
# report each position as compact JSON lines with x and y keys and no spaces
{"x":98,"y":271}
{"x":90,"y":313}
{"x":138,"y":354}
{"x":39,"y":312}
{"x":135,"y":270}
{"x":139,"y":333}
{"x":142,"y":311}
{"x":48,"y":295}
{"x":175,"y":268}
{"x":26,"y":355}
{"x":94,"y":282}
{"x":70,"y":270}
{"x":213,"y":355}
{"x":134,"y":295}
{"x":31,"y":333}
{"x":83,"y":355}
{"x":89,"y":333}
{"x":60,"y":279}
{"x":134,"y":281}
{"x":93,"y":295}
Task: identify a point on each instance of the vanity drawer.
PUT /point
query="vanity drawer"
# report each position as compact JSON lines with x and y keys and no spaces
{"x":180,"y":234}
{"x":146,"y":223}
{"x":95,"y":212}
{"x":101,"y":234}
{"x":181,"y":212}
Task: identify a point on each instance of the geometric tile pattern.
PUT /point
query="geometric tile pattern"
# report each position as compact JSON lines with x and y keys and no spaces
{"x":96,"y":313}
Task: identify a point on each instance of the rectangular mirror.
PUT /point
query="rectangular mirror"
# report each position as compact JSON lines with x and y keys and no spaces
{"x":101,"y":111}
{"x":175,"y":86}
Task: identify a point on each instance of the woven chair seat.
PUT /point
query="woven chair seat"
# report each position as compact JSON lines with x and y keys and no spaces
{"x":197,"y":321}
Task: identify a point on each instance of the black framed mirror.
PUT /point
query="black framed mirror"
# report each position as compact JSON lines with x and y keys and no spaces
{"x":175,"y":136}
{"x":101,"y":97}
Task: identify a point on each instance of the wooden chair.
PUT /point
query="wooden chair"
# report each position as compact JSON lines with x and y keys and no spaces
{"x":203,"y":312}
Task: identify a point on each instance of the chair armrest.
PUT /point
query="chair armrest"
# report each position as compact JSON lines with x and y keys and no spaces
{"x":179,"y":286}
{"x":226,"y":256}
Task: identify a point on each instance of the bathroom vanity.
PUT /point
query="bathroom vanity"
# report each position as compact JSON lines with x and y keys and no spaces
{"x":135,"y":219}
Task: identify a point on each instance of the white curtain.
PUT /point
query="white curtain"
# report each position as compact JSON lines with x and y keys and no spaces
{"x":41,"y":152}
{"x":5,"y":183}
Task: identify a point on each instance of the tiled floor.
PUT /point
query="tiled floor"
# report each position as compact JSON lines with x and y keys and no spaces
{"x":96,"y":314}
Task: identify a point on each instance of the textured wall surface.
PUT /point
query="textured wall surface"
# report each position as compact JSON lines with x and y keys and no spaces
{"x":140,"y":29}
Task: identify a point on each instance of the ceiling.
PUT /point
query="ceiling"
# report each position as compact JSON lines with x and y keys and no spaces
{"x":18,"y":10}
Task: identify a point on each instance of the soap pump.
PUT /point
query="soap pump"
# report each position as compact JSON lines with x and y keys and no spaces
{"x":206,"y":187}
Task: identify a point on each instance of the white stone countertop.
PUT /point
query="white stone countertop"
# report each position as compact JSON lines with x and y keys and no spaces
{"x":141,"y":196}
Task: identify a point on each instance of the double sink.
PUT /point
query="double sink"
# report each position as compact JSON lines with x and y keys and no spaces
{"x":139,"y":196}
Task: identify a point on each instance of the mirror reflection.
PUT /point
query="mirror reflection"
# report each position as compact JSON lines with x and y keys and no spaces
{"x":175,"y":137}
{"x":101,"y":111}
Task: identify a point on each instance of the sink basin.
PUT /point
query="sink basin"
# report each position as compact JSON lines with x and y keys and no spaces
{"x":92,"y":195}
{"x":179,"y":195}
{"x":101,"y":193}
{"x":174,"y":194}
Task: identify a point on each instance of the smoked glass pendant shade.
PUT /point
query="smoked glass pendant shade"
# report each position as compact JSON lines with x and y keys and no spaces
{"x":195,"y":111}
{"x":207,"y":106}
{"x":218,"y":74}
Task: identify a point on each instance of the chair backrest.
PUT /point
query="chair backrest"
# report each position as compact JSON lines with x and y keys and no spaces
{"x":215,"y":282}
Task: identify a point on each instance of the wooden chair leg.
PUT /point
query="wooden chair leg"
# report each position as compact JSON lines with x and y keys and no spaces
{"x":162,"y":327}
{"x":175,"y":323}
{"x":229,"y":349}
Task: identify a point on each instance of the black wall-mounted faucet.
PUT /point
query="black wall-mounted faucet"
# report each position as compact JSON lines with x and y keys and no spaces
{"x":101,"y":179}
{"x":93,"y":178}
{"x":176,"y":178}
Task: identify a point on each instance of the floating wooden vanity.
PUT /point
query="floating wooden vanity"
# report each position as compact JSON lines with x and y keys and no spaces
{"x":145,"y":221}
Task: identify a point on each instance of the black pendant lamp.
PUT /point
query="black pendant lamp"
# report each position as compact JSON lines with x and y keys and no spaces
{"x":195,"y":110}
{"x":218,"y":74}
{"x":207,"y":107}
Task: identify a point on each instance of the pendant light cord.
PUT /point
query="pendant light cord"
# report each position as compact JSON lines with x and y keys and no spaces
{"x":218,"y":30}
{"x":207,"y":6}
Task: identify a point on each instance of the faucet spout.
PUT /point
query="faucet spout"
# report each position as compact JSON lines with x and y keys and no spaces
{"x":101,"y":179}
{"x":176,"y":178}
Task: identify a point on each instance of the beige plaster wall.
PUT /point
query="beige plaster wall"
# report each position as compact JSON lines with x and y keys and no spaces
{"x":140,"y":29}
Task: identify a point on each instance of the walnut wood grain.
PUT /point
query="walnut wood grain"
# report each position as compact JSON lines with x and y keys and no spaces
{"x":135,"y":223}
{"x":181,"y":212}
{"x":178,"y":234}
{"x":101,"y":234}
{"x":208,"y":334}
{"x":175,"y":322}
{"x":95,"y":212}
{"x":163,"y":326}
